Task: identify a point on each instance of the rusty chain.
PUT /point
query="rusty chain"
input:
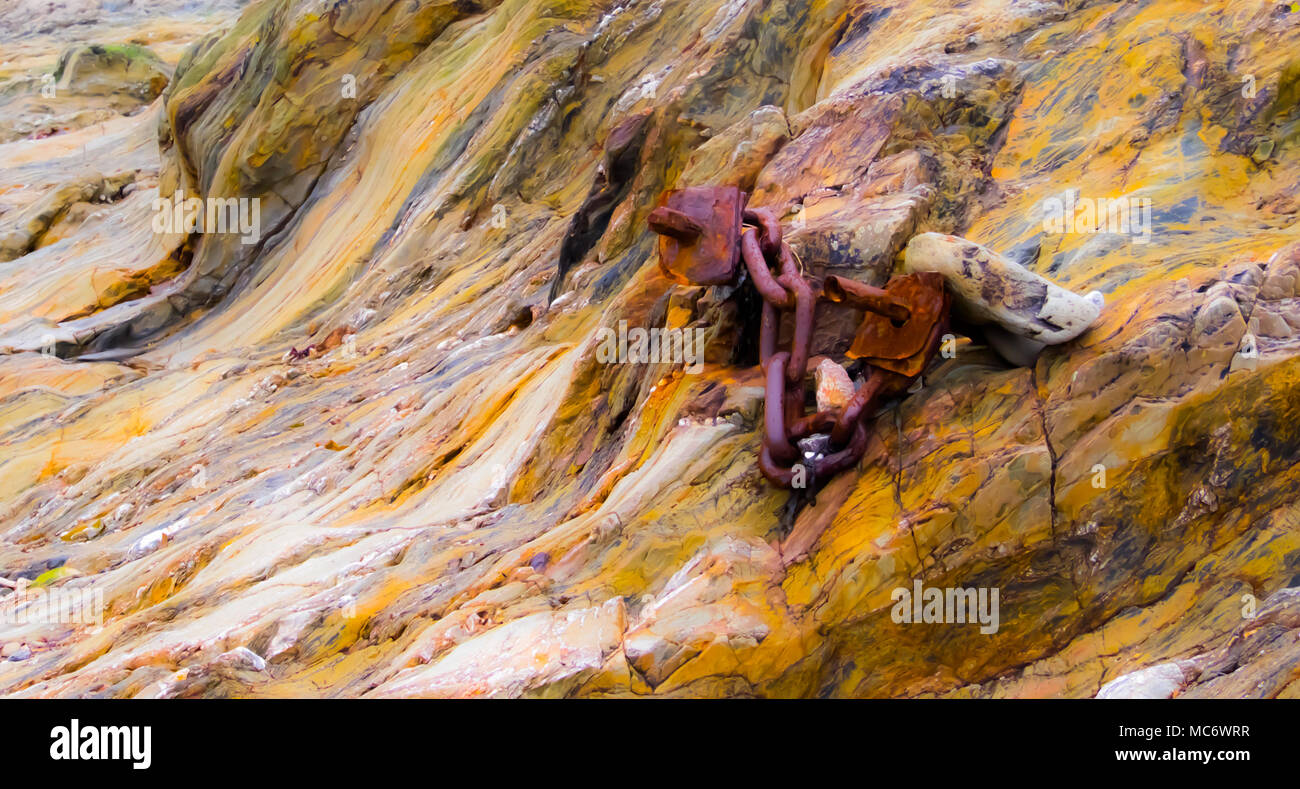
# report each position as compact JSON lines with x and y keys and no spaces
{"x":707,"y":232}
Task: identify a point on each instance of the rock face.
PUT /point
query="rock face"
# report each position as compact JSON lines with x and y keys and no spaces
{"x":103,"y":70}
{"x":71,"y":64}
{"x":450,"y":493}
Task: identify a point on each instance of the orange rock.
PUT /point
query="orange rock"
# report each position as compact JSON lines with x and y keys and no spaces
{"x":834,"y":388}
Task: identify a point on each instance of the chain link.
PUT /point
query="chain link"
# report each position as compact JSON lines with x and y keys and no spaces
{"x":902,"y":327}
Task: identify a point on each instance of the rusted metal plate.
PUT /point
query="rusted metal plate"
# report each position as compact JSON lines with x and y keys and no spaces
{"x":711,"y":256}
{"x":913,"y":365}
{"x":882,"y":338}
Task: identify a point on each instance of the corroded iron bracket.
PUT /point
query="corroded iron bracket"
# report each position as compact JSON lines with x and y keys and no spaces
{"x":699,"y":234}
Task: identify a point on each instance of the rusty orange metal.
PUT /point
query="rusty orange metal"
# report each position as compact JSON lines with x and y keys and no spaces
{"x":699,"y":234}
{"x":913,"y":365}
{"x":883,"y":338}
{"x":769,"y":228}
{"x":865,"y":297}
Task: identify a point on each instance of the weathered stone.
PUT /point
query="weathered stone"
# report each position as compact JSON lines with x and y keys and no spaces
{"x":102,"y":69}
{"x":991,"y":288}
{"x":834,"y":387}
{"x":735,"y":156}
{"x":1157,"y":682}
